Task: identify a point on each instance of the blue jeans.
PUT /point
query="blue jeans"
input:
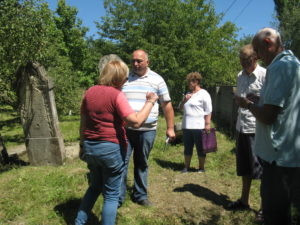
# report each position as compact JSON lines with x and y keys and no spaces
{"x":141,"y":143}
{"x":106,"y":163}
{"x":192,"y":137}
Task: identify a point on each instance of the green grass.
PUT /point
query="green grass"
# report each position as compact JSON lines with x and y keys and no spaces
{"x":51,"y":195}
{"x":12,"y":131}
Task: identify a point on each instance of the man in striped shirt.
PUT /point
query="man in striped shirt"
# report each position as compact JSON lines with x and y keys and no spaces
{"x":140,"y":81}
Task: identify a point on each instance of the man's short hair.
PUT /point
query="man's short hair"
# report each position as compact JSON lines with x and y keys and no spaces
{"x":248,"y":50}
{"x":146,"y":53}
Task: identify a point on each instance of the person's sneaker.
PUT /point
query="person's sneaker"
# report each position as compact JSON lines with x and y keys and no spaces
{"x":145,"y":202}
{"x":259,"y":218}
{"x":201,"y":171}
{"x":237,"y":205}
{"x":185,"y":170}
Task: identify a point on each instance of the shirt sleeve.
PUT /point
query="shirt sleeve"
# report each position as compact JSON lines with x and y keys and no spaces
{"x":279,"y":84}
{"x":123,"y":107}
{"x":207,"y":105}
{"x":163,"y":91}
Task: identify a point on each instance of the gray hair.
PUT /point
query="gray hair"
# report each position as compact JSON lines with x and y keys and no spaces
{"x":270,"y":33}
{"x":106,"y":59}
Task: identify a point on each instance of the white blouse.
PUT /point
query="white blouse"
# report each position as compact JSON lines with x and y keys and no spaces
{"x":198,"y":106}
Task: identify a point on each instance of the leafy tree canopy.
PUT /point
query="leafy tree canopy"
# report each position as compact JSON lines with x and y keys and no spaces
{"x":30,"y":31}
{"x":288,"y":14}
{"x":180,"y":36}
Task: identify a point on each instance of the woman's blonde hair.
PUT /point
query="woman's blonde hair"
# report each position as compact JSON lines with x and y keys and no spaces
{"x":114,"y":74}
{"x":194,"y":76}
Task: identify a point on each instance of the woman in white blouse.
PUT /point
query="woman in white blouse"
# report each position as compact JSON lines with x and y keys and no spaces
{"x":197,"y":108}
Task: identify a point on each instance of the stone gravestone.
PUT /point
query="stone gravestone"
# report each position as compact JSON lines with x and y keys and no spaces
{"x":43,"y":139}
{"x":105,"y":59}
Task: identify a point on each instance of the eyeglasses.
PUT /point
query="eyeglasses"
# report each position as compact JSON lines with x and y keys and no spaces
{"x":192,"y":80}
{"x":137,"y":60}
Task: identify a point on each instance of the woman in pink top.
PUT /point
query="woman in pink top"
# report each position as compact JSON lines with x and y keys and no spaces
{"x":104,"y":111}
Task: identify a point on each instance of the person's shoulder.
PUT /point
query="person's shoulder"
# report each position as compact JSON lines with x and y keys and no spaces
{"x":260,"y":68}
{"x":92,"y":89}
{"x":204,"y":92}
{"x":154,"y":74}
{"x":240,"y":73}
{"x":284,"y":61}
{"x":260,"y":72}
{"x":291,"y":60}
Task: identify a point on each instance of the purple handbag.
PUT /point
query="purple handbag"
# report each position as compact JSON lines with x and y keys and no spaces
{"x":209,"y":141}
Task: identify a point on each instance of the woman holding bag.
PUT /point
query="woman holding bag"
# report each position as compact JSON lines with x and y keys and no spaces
{"x":197,"y":108}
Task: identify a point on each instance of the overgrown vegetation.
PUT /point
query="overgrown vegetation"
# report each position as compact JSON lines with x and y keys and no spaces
{"x":288,"y":14}
{"x":181,"y":36}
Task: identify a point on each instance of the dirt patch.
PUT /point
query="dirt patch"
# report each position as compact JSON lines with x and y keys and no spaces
{"x":72,"y":150}
{"x":188,"y":196}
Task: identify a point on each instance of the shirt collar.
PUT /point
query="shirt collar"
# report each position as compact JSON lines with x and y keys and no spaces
{"x":144,"y":76}
{"x":281,"y":54}
{"x":255,"y":71}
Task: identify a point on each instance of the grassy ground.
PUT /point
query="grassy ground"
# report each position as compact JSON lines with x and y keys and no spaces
{"x":51,"y":195}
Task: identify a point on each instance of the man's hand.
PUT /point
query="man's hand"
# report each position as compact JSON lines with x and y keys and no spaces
{"x":253,"y":98}
{"x":171,"y":134}
{"x":242,"y":102}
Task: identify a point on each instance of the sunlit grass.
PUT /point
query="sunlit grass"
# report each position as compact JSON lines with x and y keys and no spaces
{"x":51,"y":195}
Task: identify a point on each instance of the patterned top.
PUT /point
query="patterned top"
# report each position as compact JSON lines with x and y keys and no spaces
{"x":280,"y":141}
{"x":136,"y":89}
{"x":248,"y":84}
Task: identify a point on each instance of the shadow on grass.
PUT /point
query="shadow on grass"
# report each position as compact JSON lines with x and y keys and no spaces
{"x":11,"y":123}
{"x":18,"y":138}
{"x":169,"y":165}
{"x":69,"y":211}
{"x":202,"y":192}
{"x":12,"y":162}
{"x":233,"y":150}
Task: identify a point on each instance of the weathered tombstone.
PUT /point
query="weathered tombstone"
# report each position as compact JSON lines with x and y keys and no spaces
{"x":105,"y":59}
{"x":43,"y":139}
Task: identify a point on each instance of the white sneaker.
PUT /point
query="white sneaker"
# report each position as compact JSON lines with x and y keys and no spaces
{"x":201,"y":171}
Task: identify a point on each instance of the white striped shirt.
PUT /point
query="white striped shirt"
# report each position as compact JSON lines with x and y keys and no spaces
{"x":136,"y":89}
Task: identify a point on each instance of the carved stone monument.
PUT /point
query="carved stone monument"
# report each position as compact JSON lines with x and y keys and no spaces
{"x":43,"y":139}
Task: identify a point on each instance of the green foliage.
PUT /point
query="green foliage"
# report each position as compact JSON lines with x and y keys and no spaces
{"x":73,"y":33}
{"x":180,"y":37}
{"x":27,"y":32}
{"x":288,"y":14}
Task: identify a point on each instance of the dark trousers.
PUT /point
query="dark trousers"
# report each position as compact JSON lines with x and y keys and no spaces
{"x":280,"y":190}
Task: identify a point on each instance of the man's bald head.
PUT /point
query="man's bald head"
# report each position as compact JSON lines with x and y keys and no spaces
{"x":267,"y":44}
{"x":140,"y":62}
{"x":267,"y":33}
